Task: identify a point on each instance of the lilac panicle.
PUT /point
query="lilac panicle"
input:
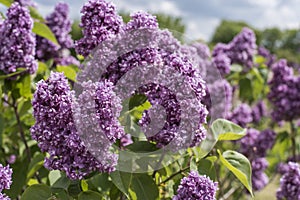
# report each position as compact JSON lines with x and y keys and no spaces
{"x":257,"y":143}
{"x":17,"y":42}
{"x":5,"y":180}
{"x":56,"y":133}
{"x":284,"y":92}
{"x":196,"y":187}
{"x":99,"y":21}
{"x":240,"y":51}
{"x":141,"y":20}
{"x":259,"y":178}
{"x":243,"y":47}
{"x":255,"y":146}
{"x":289,"y":183}
{"x":259,"y":111}
{"x":5,"y":177}
{"x":221,"y":104}
{"x":60,"y":24}
{"x":242,"y":115}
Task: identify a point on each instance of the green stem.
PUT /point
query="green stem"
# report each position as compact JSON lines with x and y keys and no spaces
{"x":23,"y":138}
{"x":175,"y":174}
{"x":22,"y":134}
{"x":293,"y":139}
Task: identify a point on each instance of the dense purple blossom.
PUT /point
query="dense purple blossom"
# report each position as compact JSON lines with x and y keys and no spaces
{"x":140,"y":20}
{"x":17,"y":42}
{"x":56,"y":132}
{"x":257,"y":143}
{"x":4,"y":197}
{"x":99,"y":21}
{"x":196,"y":187}
{"x":26,"y":3}
{"x":242,"y":115}
{"x":5,"y":180}
{"x":223,"y":63}
{"x":240,"y":50}
{"x":202,"y":50}
{"x":134,"y":64}
{"x":218,"y":99}
{"x":289,"y":183}
{"x":259,"y":178}
{"x":243,"y":47}
{"x":284,"y":92}
{"x":5,"y":177}
{"x":259,"y":111}
{"x":60,"y":24}
{"x":255,"y":146}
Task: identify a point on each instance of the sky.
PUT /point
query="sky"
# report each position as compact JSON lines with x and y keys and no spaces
{"x":203,"y":16}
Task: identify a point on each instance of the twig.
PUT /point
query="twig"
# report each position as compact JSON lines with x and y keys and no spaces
{"x":173,"y":175}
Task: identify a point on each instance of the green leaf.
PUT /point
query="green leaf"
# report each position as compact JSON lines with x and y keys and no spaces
{"x":37,"y":192}
{"x":245,"y":89}
{"x":84,"y":185}
{"x":6,"y":2}
{"x":69,"y":72}
{"x":89,"y":195}
{"x":122,"y":181}
{"x":206,"y":167}
{"x":137,"y":100}
{"x":24,"y":85}
{"x":62,"y":182}
{"x":259,"y":60}
{"x":142,"y":147}
{"x":144,"y":187}
{"x":19,"y":71}
{"x":42,"y":68}
{"x":239,"y":165}
{"x":18,"y":179}
{"x":227,"y":130}
{"x":35,"y":164}
{"x":44,"y":31}
{"x":34,"y":13}
{"x":100,"y":182}
{"x":53,"y":176}
{"x":193,"y":164}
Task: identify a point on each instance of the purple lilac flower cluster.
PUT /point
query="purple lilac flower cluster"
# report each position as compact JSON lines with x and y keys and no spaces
{"x":196,"y":187}
{"x":241,"y":115}
{"x":240,"y":50}
{"x":56,"y":132}
{"x":5,"y":180}
{"x":99,"y":21}
{"x":289,"y":183}
{"x":258,"y":111}
{"x":17,"y":42}
{"x":218,"y":106}
{"x":284,"y":92}
{"x":158,"y":52}
{"x":60,"y":24}
{"x":255,"y":146}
